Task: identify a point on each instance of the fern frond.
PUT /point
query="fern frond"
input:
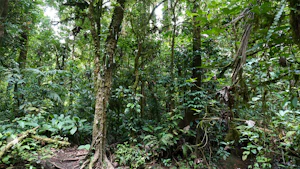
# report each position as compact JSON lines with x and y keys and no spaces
{"x":276,"y":19}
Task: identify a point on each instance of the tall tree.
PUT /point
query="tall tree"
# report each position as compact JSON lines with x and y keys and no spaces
{"x":171,"y":102}
{"x":23,"y":47}
{"x":103,"y":74}
{"x":196,"y":61}
{"x":3,"y":14}
{"x":295,"y":19}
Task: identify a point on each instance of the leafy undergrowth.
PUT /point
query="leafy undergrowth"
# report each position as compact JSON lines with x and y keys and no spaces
{"x":165,"y":145}
{"x":257,"y":145}
{"x":30,"y":139}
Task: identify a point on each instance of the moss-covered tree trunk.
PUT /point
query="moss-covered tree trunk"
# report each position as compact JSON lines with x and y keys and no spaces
{"x":103,"y":76}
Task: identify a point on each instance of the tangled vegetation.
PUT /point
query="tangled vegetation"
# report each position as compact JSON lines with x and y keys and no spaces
{"x":149,"y":83}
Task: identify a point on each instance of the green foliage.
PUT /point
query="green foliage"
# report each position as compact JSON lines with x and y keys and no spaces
{"x":55,"y":126}
{"x":164,"y":137}
{"x":133,"y":156}
{"x":280,"y":136}
{"x":222,"y":152}
{"x":55,"y":90}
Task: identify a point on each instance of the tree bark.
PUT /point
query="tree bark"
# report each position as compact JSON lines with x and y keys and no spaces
{"x":136,"y":67}
{"x":295,"y":19}
{"x":23,"y":48}
{"x":197,"y":62}
{"x":171,"y":102}
{"x":103,"y":79}
{"x":3,"y":15}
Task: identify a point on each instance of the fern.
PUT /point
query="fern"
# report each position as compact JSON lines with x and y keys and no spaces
{"x":35,"y":71}
{"x":166,"y":139}
{"x":276,"y":19}
{"x":54,"y":96}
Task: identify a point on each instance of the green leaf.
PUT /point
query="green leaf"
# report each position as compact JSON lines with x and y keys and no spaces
{"x":158,"y":128}
{"x":254,"y":151}
{"x":185,"y":149}
{"x":60,"y":124}
{"x":295,"y":102}
{"x":259,"y":148}
{"x":27,"y":147}
{"x":6,"y":159}
{"x":21,"y":124}
{"x":255,"y":99}
{"x":74,"y":129}
{"x":244,"y":157}
{"x":148,"y":137}
{"x":76,"y":118}
{"x":87,"y":147}
{"x":282,"y":113}
{"x":147,"y":128}
{"x":290,"y":133}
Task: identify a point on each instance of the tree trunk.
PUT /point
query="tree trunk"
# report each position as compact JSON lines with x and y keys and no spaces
{"x":197,"y":62}
{"x":295,"y":19}
{"x":3,"y":14}
{"x":137,"y":66}
{"x":103,"y":77}
{"x":23,"y":49}
{"x":171,"y":102}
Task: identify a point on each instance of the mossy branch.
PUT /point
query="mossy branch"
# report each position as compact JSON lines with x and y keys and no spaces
{"x":15,"y":141}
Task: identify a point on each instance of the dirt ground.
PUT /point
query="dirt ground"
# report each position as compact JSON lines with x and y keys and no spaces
{"x":68,"y":158}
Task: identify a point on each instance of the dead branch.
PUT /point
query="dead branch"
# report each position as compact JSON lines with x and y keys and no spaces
{"x":241,"y":55}
{"x":244,"y":13}
{"x":17,"y":140}
{"x":50,"y":140}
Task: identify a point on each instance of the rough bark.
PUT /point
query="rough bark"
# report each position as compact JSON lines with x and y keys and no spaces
{"x":136,"y":67}
{"x":103,"y":79}
{"x":23,"y":48}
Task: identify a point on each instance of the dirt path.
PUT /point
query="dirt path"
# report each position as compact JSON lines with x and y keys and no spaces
{"x":68,"y":158}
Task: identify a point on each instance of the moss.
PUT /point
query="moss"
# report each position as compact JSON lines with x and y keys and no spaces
{"x":232,"y":135}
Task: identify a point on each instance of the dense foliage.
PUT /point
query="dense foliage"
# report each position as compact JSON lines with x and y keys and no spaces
{"x":195,"y":84}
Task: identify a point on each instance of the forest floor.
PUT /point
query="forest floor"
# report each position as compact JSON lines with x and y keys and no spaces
{"x":71,"y":158}
{"x":68,"y":158}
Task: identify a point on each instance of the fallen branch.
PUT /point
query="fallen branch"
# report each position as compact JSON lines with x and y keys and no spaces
{"x":50,"y":140}
{"x":4,"y":149}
